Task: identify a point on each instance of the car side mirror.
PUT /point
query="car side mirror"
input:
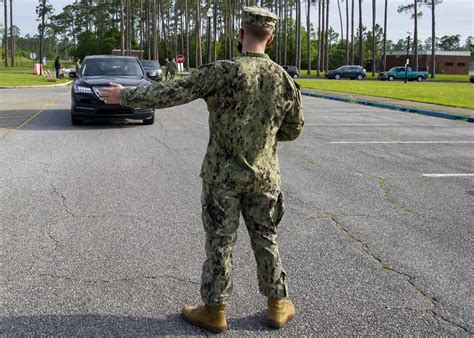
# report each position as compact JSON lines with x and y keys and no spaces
{"x":151,"y":75}
{"x":72,"y":74}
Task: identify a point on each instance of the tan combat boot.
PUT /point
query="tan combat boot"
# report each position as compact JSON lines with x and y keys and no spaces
{"x":280,"y":312}
{"x":211,"y":318}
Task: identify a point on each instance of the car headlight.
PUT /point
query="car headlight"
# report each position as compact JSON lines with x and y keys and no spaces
{"x":82,"y":90}
{"x":160,"y":71}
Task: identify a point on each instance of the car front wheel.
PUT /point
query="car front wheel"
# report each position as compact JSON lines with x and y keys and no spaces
{"x":337,"y":77}
{"x":391,"y":78}
{"x":295,"y":76}
{"x":75,"y":121}
{"x":149,"y":121}
{"x":359,"y":77}
{"x":419,"y":78}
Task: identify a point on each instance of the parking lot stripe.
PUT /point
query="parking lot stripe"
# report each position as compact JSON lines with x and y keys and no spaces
{"x":349,"y":124}
{"x":401,"y":142}
{"x":447,"y":175}
{"x":46,"y":106}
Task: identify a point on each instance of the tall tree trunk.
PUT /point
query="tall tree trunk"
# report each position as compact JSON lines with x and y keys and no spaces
{"x":298,"y":35}
{"x":175,"y":50}
{"x":326,"y":65}
{"x":147,"y":28}
{"x":285,"y":54}
{"x":308,"y":35}
{"x":433,"y":40}
{"x":280,"y":31}
{"x":5,"y":32}
{"x":347,"y":32}
{"x":186,"y":30}
{"x":154,"y":30}
{"x":415,"y":35}
{"x":340,"y":19}
{"x":198,"y":34}
{"x":164,"y":27}
{"x":214,"y":42}
{"x":122,"y":28}
{"x":374,"y":52}
{"x":323,"y":35}
{"x":43,"y":6}
{"x":319,"y":39}
{"x":127,"y":27}
{"x":352,"y":33}
{"x":181,"y":30}
{"x":141,"y":29}
{"x":385,"y":37}
{"x":361,"y":37}
{"x":12,"y":36}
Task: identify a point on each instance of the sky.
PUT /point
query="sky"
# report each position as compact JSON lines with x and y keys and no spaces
{"x":453,"y":17}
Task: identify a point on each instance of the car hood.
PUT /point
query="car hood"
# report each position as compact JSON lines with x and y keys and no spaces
{"x":99,"y":81}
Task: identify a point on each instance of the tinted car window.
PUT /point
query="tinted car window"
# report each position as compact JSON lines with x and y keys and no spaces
{"x":111,"y":67}
{"x":150,"y":64}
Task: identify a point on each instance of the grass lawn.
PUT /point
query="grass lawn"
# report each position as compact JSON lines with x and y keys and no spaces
{"x":23,"y":76}
{"x":459,"y":95}
{"x":438,"y":77}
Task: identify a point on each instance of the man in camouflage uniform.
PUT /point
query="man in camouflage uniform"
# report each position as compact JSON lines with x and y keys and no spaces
{"x":253,"y":104}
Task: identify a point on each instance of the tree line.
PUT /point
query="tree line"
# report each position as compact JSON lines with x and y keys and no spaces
{"x":206,"y":30}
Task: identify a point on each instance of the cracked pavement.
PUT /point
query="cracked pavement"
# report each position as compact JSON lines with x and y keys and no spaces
{"x":101,"y":229}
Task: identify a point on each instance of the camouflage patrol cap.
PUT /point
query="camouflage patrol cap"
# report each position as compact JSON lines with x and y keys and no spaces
{"x":259,"y":17}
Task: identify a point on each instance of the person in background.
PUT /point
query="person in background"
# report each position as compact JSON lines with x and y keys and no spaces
{"x":78,"y":65}
{"x":57,"y":66}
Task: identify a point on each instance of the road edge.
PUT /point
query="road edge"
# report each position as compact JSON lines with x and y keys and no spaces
{"x":40,"y":86}
{"x":425,"y":112}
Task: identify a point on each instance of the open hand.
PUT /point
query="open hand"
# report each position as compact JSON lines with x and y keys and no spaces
{"x":111,"y":95}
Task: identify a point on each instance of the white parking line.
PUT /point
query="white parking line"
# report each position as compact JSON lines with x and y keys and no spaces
{"x":447,"y":175}
{"x":402,"y":142}
{"x":379,"y":124}
{"x":349,"y":124}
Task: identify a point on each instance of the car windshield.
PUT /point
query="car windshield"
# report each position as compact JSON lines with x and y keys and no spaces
{"x":150,"y":64}
{"x":394,"y":69}
{"x":111,"y":67}
{"x":341,"y":68}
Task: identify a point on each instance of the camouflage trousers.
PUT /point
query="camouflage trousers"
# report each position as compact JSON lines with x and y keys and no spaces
{"x":262,"y":212}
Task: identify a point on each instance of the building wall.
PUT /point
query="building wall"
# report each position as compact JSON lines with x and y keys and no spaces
{"x":445,"y":64}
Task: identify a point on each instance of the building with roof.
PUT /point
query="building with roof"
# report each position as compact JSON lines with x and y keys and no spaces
{"x":447,"y":62}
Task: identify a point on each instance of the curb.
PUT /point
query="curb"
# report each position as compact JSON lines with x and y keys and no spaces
{"x":393,"y":107}
{"x":40,"y":86}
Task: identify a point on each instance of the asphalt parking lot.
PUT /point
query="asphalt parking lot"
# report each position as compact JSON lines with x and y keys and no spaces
{"x":101,"y":230}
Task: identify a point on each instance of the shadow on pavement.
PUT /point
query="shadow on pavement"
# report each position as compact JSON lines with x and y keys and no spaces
{"x":60,"y":119}
{"x":110,"y":325}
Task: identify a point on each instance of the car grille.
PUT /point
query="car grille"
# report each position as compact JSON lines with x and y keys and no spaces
{"x":97,"y":88}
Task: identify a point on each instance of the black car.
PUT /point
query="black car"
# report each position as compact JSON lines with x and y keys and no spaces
{"x":153,"y":69}
{"x":292,"y":71}
{"x":97,"y":72}
{"x":471,"y":78}
{"x":349,"y":72}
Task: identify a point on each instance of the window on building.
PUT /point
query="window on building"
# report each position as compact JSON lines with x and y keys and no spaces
{"x":449,"y":64}
{"x":461,"y":64}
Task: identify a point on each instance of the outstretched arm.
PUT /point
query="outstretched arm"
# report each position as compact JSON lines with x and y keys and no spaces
{"x":167,"y":94}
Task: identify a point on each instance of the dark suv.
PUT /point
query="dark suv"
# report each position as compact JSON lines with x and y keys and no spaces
{"x":292,"y":71}
{"x":97,"y":72}
{"x":349,"y":72}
